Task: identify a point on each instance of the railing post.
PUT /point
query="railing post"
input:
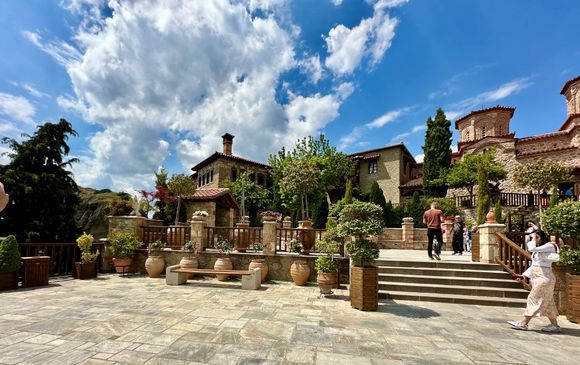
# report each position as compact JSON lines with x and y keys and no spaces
{"x":198,"y":232}
{"x":269,"y":237}
{"x":489,"y":242}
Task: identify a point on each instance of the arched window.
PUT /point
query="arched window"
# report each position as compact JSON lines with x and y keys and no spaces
{"x":501,"y":130}
{"x":483,"y":132}
{"x":234,"y":175}
{"x":466,"y":135}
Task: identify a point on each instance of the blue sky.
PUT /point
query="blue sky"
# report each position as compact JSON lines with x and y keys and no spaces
{"x":148,"y":84}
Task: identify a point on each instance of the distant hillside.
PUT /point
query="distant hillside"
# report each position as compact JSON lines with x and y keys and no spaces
{"x":91,"y":215}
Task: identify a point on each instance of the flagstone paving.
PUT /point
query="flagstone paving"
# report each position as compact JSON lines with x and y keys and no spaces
{"x":138,"y":320}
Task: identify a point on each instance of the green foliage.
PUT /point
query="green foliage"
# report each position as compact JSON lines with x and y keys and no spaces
{"x":43,"y":194}
{"x":348,"y":193}
{"x":498,"y":212}
{"x":563,"y":220}
{"x":331,"y":223}
{"x":119,"y":207}
{"x":446,"y":205}
{"x":363,"y":252}
{"x":415,"y":209}
{"x":156,"y":246}
{"x":437,"y":151}
{"x":9,"y":255}
{"x":336,"y":208}
{"x":324,"y":264}
{"x":124,"y":245}
{"x":483,"y":195}
{"x":541,"y":175}
{"x":85,"y":243}
{"x":224,"y":246}
{"x":258,"y":246}
{"x":361,"y":219}
{"x":554,"y":197}
{"x":319,"y":213}
{"x":464,"y":173}
{"x":570,"y":257}
{"x":391,"y":216}
{"x":180,"y":185}
{"x":330,"y":242}
{"x":249,"y":195}
{"x":299,"y":178}
{"x":377,"y":197}
{"x":295,"y":246}
{"x":189,"y":246}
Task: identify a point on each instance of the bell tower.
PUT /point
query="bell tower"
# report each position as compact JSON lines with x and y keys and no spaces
{"x":571,"y":91}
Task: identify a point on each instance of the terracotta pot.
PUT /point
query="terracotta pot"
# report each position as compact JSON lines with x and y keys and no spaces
{"x":87,"y":270}
{"x":223,"y":263}
{"x":8,"y":280}
{"x":490,"y":217}
{"x":154,"y":266}
{"x":269,"y":218}
{"x":122,"y":266}
{"x":573,"y":298}
{"x":364,"y":288}
{"x":189,"y":262}
{"x":300,"y":272}
{"x":327,"y":281}
{"x":261,"y":263}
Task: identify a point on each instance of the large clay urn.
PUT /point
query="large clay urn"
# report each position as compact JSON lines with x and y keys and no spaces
{"x":326,"y":281}
{"x":262,"y":264}
{"x":154,"y":266}
{"x":300,"y":272}
{"x":189,"y":262}
{"x":223,"y":263}
{"x":308,"y":236}
{"x":490,"y":217}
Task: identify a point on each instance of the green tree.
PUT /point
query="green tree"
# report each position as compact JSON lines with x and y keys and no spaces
{"x":9,"y":255}
{"x":483,"y":194}
{"x":300,"y":178}
{"x":415,"y":209}
{"x":181,"y":185}
{"x":348,"y":193}
{"x":541,"y":175}
{"x":498,"y":212}
{"x":377,"y":197}
{"x":464,"y":173}
{"x":43,"y":193}
{"x":563,"y":220}
{"x":250,"y":196}
{"x":554,"y":198}
{"x":437,"y":151}
{"x":361,"y":219}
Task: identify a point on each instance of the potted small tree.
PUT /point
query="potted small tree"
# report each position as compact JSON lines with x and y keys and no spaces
{"x":123,"y":247}
{"x":258,"y":247}
{"x":155,"y":263}
{"x":325,"y":265}
{"x":189,"y":260}
{"x":223,"y":263}
{"x":362,"y":220}
{"x":87,"y":267}
{"x":10,"y":262}
{"x":563,"y":220}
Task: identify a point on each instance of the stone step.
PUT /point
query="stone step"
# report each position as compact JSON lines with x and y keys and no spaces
{"x":477,"y":291}
{"x":487,"y":274}
{"x":453,"y":298}
{"x":459,"y":265}
{"x":450,"y":280}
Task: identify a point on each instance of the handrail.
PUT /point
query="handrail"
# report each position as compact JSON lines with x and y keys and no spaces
{"x":513,"y":258}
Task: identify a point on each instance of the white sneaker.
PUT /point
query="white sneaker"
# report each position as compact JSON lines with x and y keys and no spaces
{"x":437,"y":256}
{"x":518,"y":325}
{"x":551,"y":328}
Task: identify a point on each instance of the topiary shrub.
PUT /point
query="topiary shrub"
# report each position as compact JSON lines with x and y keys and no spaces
{"x":361,"y":219}
{"x":124,"y":245}
{"x":9,"y":255}
{"x":563,"y":220}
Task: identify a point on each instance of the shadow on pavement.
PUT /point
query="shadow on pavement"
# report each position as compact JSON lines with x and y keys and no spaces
{"x":404,"y":310}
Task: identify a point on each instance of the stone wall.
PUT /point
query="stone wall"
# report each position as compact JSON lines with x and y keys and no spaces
{"x":222,"y":170}
{"x":278,"y":265}
{"x":388,"y":174}
{"x":130,"y":224}
{"x":392,"y":238}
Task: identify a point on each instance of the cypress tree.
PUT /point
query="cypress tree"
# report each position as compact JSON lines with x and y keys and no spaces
{"x":483,"y":195}
{"x":554,"y":198}
{"x":377,"y":197}
{"x":348,"y":193}
{"x":437,"y":151}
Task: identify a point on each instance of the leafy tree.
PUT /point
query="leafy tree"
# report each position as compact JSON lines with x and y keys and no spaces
{"x":300,"y":178}
{"x":348,"y":193}
{"x":541,"y":175}
{"x":483,"y":194}
{"x":446,"y":205}
{"x":563,"y":220}
{"x":361,"y":219}
{"x":464,"y":173}
{"x":554,"y":197}
{"x":180,"y":185}
{"x":44,"y":196}
{"x":437,"y":150}
{"x":392,"y":218}
{"x":248,"y":194}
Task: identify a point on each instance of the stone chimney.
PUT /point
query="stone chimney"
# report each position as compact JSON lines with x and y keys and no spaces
{"x":228,"y":141}
{"x":571,"y":91}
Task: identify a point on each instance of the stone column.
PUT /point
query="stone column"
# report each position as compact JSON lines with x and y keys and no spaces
{"x":269,"y":237}
{"x":408,"y":234}
{"x":447,"y":236}
{"x":130,"y":224}
{"x":489,"y":242}
{"x":287,"y":222}
{"x":198,"y":232}
{"x":243,"y":236}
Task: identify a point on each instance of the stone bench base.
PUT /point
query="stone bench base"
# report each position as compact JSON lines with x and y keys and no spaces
{"x":175,"y":275}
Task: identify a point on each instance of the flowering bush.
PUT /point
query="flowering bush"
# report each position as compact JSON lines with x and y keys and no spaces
{"x":155,"y":246}
{"x":200,"y":213}
{"x":269,"y":213}
{"x":85,"y":243}
{"x":258,"y":246}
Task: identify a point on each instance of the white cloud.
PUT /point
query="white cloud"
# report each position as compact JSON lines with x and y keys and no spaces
{"x":30,"y":89}
{"x":372,"y":36}
{"x":387,"y":118}
{"x":170,"y":78}
{"x":336,"y":2}
{"x":4,"y":159}
{"x":503,"y":91}
{"x":17,"y":108}
{"x":416,"y":129}
{"x":312,"y":67}
{"x":419,"y":158}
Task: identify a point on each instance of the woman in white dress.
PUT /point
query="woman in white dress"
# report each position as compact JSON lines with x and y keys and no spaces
{"x":541,"y":298}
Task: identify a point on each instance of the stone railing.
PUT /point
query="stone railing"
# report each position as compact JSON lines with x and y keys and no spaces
{"x":410,"y":238}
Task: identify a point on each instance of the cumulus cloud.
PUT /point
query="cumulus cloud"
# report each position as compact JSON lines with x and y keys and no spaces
{"x":168,"y":79}
{"x":17,"y":108}
{"x":372,"y":37}
{"x":416,"y":129}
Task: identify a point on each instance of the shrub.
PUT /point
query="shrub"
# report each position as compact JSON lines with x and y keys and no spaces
{"x":189,"y":246}
{"x":9,"y":255}
{"x":363,"y":252}
{"x":571,"y":258}
{"x":498,"y":213}
{"x":224,"y":246}
{"x":156,"y":246}
{"x":361,"y":219}
{"x":124,"y":245}
{"x":446,"y":205}
{"x":563,"y":220}
{"x":85,"y":243}
{"x":324,"y":264}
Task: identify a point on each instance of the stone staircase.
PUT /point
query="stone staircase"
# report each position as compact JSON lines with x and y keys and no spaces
{"x":449,"y":282}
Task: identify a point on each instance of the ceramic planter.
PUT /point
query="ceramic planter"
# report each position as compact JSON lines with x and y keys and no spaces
{"x":261,"y":263}
{"x":300,"y":272}
{"x":154,"y":266}
{"x":122,"y":266}
{"x":327,"y":281}
{"x":223,"y":263}
{"x":308,"y":236}
{"x":87,"y":270}
{"x":8,"y":280}
{"x":364,"y":288}
{"x":189,"y":262}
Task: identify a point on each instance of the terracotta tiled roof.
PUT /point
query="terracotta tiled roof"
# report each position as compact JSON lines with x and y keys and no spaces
{"x":474,"y":112}
{"x":544,"y":136}
{"x":363,"y":154}
{"x":415,"y":183}
{"x":209,"y":194}
{"x":568,"y":83}
{"x":217,"y":155}
{"x":569,"y":120}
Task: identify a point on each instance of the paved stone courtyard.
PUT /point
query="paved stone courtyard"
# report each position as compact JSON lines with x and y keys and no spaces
{"x":138,"y":320}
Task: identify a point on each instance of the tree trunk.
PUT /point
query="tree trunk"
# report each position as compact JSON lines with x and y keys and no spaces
{"x":243,"y":207}
{"x":540,"y":208}
{"x":302,"y":205}
{"x":306,"y":201}
{"x":178,"y":207}
{"x":328,"y":200}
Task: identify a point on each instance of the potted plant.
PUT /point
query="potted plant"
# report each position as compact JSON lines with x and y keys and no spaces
{"x":295,"y":246}
{"x":199,"y":215}
{"x":361,"y":219}
{"x":123,"y":247}
{"x":189,"y":260}
{"x":87,"y":267}
{"x":325,"y":265}
{"x":10,"y":262}
{"x":563,"y":220}
{"x":270,"y":216}
{"x":154,"y":263}
{"x":223,"y":263}
{"x":258,"y":247}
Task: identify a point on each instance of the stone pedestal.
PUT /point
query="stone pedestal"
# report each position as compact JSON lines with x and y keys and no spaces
{"x":447,"y":226}
{"x":130,"y":224}
{"x":198,"y":233}
{"x":489,"y":242}
{"x":269,"y":238}
{"x":287,"y":222}
{"x":408,"y":233}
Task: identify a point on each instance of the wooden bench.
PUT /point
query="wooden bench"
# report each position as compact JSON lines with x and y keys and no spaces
{"x":251,"y":279}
